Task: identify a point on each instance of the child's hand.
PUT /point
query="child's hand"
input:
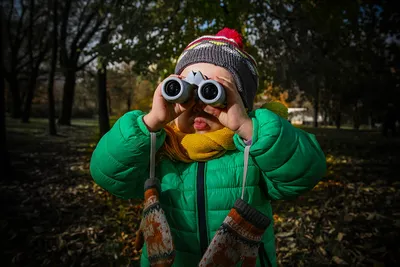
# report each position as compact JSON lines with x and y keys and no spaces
{"x":162,"y":111}
{"x":234,"y":115}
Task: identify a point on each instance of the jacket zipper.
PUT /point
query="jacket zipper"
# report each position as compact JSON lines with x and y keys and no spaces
{"x":201,"y":208}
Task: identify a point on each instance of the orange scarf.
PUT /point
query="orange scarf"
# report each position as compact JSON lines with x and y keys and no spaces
{"x":197,"y":147}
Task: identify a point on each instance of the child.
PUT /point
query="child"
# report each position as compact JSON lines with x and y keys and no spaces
{"x":218,"y":168}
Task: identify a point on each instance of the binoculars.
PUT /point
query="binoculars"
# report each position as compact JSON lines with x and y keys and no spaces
{"x":210,"y":92}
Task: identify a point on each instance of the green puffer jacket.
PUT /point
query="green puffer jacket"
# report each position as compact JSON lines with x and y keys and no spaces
{"x":196,"y":197}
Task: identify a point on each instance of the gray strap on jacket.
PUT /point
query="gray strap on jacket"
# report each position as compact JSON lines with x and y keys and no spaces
{"x":152,"y":155}
{"x":246,"y":163}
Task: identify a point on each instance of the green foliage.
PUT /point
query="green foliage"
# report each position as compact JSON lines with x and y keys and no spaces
{"x":336,"y":51}
{"x":339,"y":53}
{"x":166,"y":27}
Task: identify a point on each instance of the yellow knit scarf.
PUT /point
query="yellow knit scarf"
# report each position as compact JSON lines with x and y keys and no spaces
{"x":197,"y":147}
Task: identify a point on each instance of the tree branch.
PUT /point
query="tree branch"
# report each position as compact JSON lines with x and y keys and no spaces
{"x":22,"y":66}
{"x":42,"y":54}
{"x":81,"y":15}
{"x":20,"y":23}
{"x":9,"y":18}
{"x":82,"y":30}
{"x":19,"y":59}
{"x":16,"y":45}
{"x":63,"y":34}
{"x":81,"y":67}
{"x":89,"y":36}
{"x":30,"y":32}
{"x":90,"y":73}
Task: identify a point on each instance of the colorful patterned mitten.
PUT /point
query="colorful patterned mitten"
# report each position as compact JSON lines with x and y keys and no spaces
{"x":154,"y":228}
{"x":238,"y":238}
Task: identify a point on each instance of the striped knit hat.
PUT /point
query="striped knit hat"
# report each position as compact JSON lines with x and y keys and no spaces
{"x":225,"y":50}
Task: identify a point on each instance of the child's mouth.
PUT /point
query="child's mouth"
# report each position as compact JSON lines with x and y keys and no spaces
{"x":200,"y":124}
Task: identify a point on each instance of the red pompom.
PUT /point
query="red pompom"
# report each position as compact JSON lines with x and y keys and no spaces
{"x":231,"y":34}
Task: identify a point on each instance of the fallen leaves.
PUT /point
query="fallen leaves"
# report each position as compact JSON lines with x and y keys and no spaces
{"x":56,"y":216}
{"x":284,"y":234}
{"x":340,"y":236}
{"x":350,"y":214}
{"x":323,"y":251}
{"x":338,"y":260}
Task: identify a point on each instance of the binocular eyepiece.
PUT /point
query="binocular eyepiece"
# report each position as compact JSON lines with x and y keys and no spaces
{"x":177,"y":90}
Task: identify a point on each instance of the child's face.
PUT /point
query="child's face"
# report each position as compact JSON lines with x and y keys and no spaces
{"x":195,"y":119}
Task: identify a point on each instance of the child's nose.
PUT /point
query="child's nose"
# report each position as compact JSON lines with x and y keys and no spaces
{"x":199,"y":106}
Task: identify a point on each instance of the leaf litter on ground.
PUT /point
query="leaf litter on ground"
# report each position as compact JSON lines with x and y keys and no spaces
{"x":55,"y":215}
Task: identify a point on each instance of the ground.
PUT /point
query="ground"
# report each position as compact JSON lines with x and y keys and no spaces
{"x":54,"y":215}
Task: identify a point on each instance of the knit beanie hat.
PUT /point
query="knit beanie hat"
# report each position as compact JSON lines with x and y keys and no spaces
{"x":225,"y":50}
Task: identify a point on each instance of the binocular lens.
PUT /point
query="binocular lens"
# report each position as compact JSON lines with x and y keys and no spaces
{"x":172,"y":88}
{"x":209,"y":91}
{"x":177,"y":90}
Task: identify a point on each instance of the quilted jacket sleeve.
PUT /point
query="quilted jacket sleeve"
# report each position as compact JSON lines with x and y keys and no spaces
{"x":290,"y":159}
{"x":120,"y":162}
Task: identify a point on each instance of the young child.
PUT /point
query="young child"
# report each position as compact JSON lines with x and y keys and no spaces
{"x":217,"y":169}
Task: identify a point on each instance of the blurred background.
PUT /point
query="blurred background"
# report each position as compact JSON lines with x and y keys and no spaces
{"x":70,"y":69}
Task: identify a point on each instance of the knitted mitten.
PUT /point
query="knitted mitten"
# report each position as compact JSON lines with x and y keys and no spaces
{"x":238,"y":238}
{"x":154,"y":228}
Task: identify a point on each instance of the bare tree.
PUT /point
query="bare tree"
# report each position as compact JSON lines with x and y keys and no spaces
{"x":4,"y":160}
{"x":38,"y":47}
{"x":86,"y":23}
{"x":50,"y":89}
{"x":104,"y":122}
{"x":16,"y":32}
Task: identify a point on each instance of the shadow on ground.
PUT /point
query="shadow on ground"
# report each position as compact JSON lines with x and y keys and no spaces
{"x":53,"y":214}
{"x":352,"y":216}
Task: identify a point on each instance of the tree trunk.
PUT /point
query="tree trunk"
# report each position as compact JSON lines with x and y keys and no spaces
{"x":29,"y":97}
{"x":104,"y":122}
{"x":338,"y":119}
{"x":50,"y":88}
{"x":4,"y":160}
{"x":326,"y":117}
{"x":16,"y":97}
{"x":128,"y":104}
{"x":316,"y":106}
{"x":109,"y":103}
{"x":370,"y":120}
{"x":68,"y":97}
{"x":315,"y":87}
{"x":356,"y":118}
{"x":32,"y":78}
